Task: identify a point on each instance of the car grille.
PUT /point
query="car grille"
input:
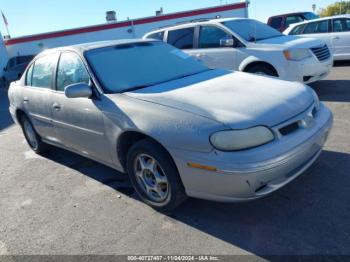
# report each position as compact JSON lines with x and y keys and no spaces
{"x":322,"y":53}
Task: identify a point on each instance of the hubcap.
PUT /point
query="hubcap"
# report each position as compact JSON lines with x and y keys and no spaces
{"x":151,"y":177}
{"x":30,"y":134}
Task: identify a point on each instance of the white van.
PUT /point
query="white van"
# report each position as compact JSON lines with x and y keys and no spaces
{"x":250,"y":46}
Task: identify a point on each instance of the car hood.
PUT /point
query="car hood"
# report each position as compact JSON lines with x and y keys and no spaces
{"x":238,"y":100}
{"x":292,"y":41}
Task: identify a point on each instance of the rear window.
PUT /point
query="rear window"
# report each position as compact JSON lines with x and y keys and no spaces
{"x":43,"y":71}
{"x":293,"y":19}
{"x":181,"y":38}
{"x":276,"y":22}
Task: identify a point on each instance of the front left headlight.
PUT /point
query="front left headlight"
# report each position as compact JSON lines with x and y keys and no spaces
{"x":233,"y":140}
{"x":297,"y":54}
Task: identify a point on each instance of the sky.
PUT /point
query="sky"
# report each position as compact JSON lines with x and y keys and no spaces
{"x":39,"y":16}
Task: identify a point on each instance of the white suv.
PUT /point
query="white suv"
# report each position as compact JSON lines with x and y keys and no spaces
{"x":250,"y":46}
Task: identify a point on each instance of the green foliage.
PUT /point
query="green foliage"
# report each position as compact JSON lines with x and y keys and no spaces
{"x":337,"y":8}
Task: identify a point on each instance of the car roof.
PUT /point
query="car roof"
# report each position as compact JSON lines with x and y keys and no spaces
{"x":288,"y":14}
{"x":100,"y":44}
{"x":321,"y":19}
{"x":195,"y":23}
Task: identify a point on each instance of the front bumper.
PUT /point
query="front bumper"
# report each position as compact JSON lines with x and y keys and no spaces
{"x":308,"y":71}
{"x":254,"y":173}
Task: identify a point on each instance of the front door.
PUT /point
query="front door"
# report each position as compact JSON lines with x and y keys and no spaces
{"x":214,"y":48}
{"x":78,"y":121}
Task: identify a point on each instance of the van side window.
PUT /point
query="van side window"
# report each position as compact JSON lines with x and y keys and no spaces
{"x":317,"y":27}
{"x":43,"y":71}
{"x":181,"y":38}
{"x":211,"y":36}
{"x":157,"y":36}
{"x":341,"y":25}
{"x":298,"y":30}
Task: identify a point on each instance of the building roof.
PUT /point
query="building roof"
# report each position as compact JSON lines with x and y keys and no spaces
{"x":127,"y":23}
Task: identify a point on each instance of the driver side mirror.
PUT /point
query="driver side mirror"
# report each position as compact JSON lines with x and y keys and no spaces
{"x":227,"y":42}
{"x":5,"y":68}
{"x":78,"y":90}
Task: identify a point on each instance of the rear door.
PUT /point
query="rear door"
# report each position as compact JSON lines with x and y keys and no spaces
{"x":78,"y":122}
{"x":37,"y":95}
{"x":341,"y":38}
{"x":212,"y":49}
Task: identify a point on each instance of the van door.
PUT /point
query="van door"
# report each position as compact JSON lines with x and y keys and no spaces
{"x":216,"y":48}
{"x":341,"y":38}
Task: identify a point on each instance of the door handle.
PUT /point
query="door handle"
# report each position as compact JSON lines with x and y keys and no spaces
{"x":56,"y":106}
{"x":25,"y":99}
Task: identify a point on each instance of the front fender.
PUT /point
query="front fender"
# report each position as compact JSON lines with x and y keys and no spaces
{"x":253,"y":59}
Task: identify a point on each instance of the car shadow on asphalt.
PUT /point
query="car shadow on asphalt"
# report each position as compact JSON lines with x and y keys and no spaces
{"x":309,"y":216}
{"x":332,"y":90}
{"x":5,"y":117}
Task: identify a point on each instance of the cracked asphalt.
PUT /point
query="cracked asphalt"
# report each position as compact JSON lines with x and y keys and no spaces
{"x":63,"y":203}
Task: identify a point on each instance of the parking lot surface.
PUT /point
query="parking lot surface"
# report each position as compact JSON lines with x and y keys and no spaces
{"x":63,"y":203}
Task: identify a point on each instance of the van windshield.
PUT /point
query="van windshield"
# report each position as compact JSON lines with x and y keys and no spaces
{"x":132,"y":66}
{"x":251,"y":30}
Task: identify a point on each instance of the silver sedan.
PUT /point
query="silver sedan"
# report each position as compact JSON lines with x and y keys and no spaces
{"x":175,"y":126}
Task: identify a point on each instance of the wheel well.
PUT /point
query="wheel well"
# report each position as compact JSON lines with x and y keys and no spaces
{"x":249,"y":66}
{"x":127,"y":140}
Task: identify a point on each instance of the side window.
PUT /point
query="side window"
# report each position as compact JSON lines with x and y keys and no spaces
{"x":293,"y":19}
{"x":71,"y":70}
{"x":322,"y":27}
{"x":43,"y":71}
{"x":211,"y":37}
{"x":276,"y":22}
{"x":181,"y":38}
{"x":347,"y":24}
{"x":298,"y":30}
{"x":341,"y":25}
{"x":157,"y":36}
{"x":29,"y":75}
{"x":310,"y":28}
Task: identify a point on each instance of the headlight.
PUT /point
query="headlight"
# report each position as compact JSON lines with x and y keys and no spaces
{"x":297,"y":54}
{"x":316,"y":100}
{"x":233,"y":140}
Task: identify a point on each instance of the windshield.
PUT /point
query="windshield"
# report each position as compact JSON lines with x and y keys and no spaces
{"x":310,"y":16}
{"x":251,"y":30}
{"x":133,"y":66}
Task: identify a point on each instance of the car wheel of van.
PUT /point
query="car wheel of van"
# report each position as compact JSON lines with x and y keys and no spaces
{"x":154,"y":176}
{"x":31,"y":136}
{"x":261,"y":69}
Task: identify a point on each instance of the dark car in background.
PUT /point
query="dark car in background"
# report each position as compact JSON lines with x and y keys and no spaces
{"x":281,"y":22}
{"x":15,"y":68}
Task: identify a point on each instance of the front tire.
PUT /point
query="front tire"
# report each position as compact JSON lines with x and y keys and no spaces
{"x":261,"y":69}
{"x":154,"y":176}
{"x":32,"y":137}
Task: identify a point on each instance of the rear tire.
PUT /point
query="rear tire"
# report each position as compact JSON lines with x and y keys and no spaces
{"x":32,"y":137}
{"x":154,"y":176}
{"x":261,"y":69}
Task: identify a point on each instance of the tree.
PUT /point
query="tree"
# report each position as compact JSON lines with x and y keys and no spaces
{"x":337,"y":8}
